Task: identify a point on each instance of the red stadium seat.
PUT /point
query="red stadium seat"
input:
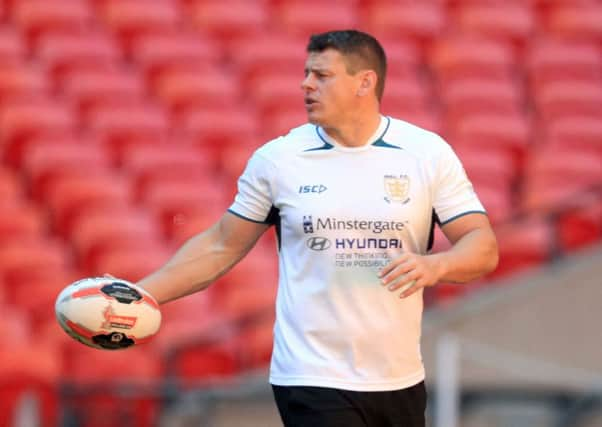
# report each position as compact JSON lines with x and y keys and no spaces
{"x":553,"y":176}
{"x":130,"y":264}
{"x":185,"y":203}
{"x":497,"y":200}
{"x":514,"y":22}
{"x":21,"y":119}
{"x":154,"y":163}
{"x":229,"y":19}
{"x":277,"y":92}
{"x":540,"y":196}
{"x":404,"y":58}
{"x":181,"y":224}
{"x":34,"y":17}
{"x":233,"y":162}
{"x":22,"y":81}
{"x":577,"y":133}
{"x":490,"y":167}
{"x":279,"y":122}
{"x":62,"y":52}
{"x":420,"y":21}
{"x":158,"y":52}
{"x":255,"y":56}
{"x":45,"y":285}
{"x":13,"y":48}
{"x":97,"y":379}
{"x":469,"y":56}
{"x":22,"y":220}
{"x":563,"y":165}
{"x":185,"y":88}
{"x":582,"y":21}
{"x":523,"y":245}
{"x":95,"y":86}
{"x":129,"y":18}
{"x":256,"y":341}
{"x":109,"y":228}
{"x":545,"y":6}
{"x":72,"y":193}
{"x":569,"y":98}
{"x":46,"y":158}
{"x":218,"y":128}
{"x":550,"y":60}
{"x":464,"y":97}
{"x":121,"y":121}
{"x":30,"y":371}
{"x":173,"y":195}
{"x":137,"y":365}
{"x":508,"y":133}
{"x":411,"y":94}
{"x":308,"y":17}
{"x":16,"y":328}
{"x":200,"y":348}
{"x":582,"y":227}
{"x":249,"y":289}
{"x":427,"y":119}
{"x":37,"y":253}
{"x":12,"y":189}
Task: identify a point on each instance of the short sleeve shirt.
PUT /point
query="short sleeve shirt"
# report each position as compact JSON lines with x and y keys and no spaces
{"x":341,"y":214}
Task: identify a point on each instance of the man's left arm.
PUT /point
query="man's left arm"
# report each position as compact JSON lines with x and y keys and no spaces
{"x":473,"y":254}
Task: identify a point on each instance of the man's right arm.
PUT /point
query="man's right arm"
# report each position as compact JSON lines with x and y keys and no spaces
{"x":204,"y":258}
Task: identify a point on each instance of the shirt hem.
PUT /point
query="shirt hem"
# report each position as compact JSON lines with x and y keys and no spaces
{"x":398,"y":384}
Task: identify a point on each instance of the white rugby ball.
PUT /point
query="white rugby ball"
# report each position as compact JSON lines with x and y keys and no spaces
{"x":107,"y":313}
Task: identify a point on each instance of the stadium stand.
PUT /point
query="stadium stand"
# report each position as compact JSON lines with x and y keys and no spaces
{"x":89,"y":49}
{"x":19,"y":80}
{"x":231,"y":19}
{"x":421,"y":22}
{"x":306,"y":17}
{"x":125,"y":123}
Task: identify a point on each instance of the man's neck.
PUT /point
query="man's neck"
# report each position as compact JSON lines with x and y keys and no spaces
{"x":355,"y":133}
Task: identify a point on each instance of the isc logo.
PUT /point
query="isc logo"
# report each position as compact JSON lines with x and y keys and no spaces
{"x":319,"y":188}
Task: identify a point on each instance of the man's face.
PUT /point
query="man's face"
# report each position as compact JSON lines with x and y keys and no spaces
{"x":329,"y":91}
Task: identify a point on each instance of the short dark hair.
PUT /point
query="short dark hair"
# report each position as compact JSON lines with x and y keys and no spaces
{"x":362,"y":48}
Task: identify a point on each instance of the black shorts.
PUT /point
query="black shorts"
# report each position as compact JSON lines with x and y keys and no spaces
{"x":302,"y":406}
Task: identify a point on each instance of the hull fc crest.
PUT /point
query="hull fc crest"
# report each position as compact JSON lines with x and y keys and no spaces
{"x":397,"y":188}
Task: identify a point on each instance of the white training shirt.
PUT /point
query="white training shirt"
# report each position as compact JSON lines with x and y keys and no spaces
{"x":341,"y":214}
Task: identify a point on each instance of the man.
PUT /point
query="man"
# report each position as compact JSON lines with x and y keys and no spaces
{"x":354,"y":197}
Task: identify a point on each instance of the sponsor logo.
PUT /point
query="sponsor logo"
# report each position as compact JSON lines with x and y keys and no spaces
{"x":318,"y":188}
{"x":318,"y":243}
{"x":113,"y":320}
{"x":371,"y":243}
{"x":308,"y":225}
{"x":397,"y":188}
{"x":372,"y":226}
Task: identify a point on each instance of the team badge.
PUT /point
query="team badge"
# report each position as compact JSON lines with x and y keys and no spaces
{"x":397,"y":188}
{"x":308,"y":225}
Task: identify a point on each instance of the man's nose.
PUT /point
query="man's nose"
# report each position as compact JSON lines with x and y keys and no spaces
{"x":307,"y":83}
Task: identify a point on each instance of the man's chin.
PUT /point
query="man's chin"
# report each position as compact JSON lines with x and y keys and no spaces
{"x":314,"y":119}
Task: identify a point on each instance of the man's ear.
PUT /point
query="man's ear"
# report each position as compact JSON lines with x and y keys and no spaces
{"x":367,"y":85}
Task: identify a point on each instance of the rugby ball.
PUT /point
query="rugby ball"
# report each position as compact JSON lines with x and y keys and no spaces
{"x":107,"y":313}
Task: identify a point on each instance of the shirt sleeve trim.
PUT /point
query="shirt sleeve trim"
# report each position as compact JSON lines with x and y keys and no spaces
{"x":246,"y":218}
{"x":461,"y":215}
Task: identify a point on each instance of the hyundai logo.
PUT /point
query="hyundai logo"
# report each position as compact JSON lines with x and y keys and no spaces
{"x":318,"y":243}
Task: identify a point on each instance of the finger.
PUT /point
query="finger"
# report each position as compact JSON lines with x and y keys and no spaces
{"x":400,"y":270}
{"x":401,"y":281}
{"x":406,"y":285}
{"x":410,"y":290}
{"x":391,"y":265}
